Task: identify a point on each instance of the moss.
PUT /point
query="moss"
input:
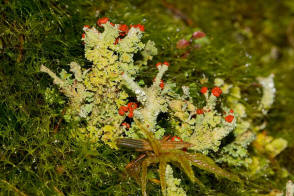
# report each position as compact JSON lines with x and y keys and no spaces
{"x":40,"y":151}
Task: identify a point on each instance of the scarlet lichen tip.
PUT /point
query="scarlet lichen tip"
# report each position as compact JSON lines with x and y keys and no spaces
{"x":102,"y":21}
{"x":199,"y":111}
{"x":158,"y":64}
{"x":231,"y":111}
{"x":204,"y":90}
{"x":86,"y":28}
{"x":161,"y":85}
{"x":166,"y":63}
{"x":124,"y":108}
{"x":216,"y":91}
{"x":83,"y":35}
{"x":229,"y":118}
{"x":132,"y":106}
{"x":123,"y":28}
{"x":141,"y":27}
{"x":121,"y":112}
{"x":131,"y":114}
{"x":176,"y":138}
{"x":125,"y":124}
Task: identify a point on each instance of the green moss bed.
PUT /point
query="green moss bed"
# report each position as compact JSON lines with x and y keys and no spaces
{"x":39,"y":154}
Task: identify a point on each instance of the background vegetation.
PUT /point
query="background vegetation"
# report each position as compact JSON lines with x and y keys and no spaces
{"x":38,"y":152}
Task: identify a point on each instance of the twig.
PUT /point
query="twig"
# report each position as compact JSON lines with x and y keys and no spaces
{"x":20,"y":55}
{"x":178,"y":13}
{"x":55,"y":130}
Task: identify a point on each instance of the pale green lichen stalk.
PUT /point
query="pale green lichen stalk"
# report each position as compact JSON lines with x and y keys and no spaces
{"x":151,"y":98}
{"x":173,"y":184}
{"x":289,"y":188}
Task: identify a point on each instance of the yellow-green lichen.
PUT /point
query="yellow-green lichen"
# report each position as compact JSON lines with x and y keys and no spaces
{"x":96,"y":93}
{"x":173,"y":184}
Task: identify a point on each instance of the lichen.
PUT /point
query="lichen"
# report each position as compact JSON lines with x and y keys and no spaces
{"x":208,"y":127}
{"x":99,"y":97}
{"x":289,"y":188}
{"x":269,"y":92}
{"x":152,"y":98}
{"x":96,"y":93}
{"x":235,"y":153}
{"x":173,"y":184}
{"x":268,"y":145}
